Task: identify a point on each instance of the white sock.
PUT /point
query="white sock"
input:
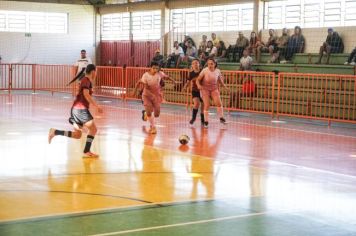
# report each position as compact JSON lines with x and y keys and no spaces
{"x":220,"y":111}
{"x":151,"y":119}
{"x":206,"y":116}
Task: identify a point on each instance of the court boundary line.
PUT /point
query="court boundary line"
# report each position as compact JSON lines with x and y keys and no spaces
{"x":183,"y":224}
{"x":111,"y":210}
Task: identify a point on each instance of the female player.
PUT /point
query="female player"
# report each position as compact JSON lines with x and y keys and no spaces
{"x":151,"y":94}
{"x":193,"y":75}
{"x":80,"y":114}
{"x":208,"y":83}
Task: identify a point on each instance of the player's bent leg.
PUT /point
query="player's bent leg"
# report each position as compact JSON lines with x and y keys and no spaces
{"x":90,"y":125}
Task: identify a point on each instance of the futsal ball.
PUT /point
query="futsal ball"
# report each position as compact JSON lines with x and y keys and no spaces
{"x":184,"y":139}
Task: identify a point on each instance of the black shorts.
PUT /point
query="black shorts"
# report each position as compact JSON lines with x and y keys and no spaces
{"x":196,"y":94}
{"x":80,"y":116}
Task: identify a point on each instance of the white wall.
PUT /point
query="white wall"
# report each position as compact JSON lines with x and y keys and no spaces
{"x":50,"y":48}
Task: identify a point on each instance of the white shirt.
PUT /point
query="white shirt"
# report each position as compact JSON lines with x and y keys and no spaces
{"x":178,"y":51}
{"x":246,"y":62}
{"x":82,"y":63}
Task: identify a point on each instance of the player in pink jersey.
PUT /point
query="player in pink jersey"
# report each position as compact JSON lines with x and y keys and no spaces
{"x":151,"y":94}
{"x":208,"y":84}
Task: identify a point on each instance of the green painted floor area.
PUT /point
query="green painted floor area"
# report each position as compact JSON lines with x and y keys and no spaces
{"x":243,"y":217}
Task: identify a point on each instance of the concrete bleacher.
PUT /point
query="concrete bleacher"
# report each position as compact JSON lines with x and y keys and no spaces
{"x":301,"y":63}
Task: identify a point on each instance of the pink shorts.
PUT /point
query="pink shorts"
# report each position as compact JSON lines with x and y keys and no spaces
{"x":209,"y":93}
{"x":152,"y":103}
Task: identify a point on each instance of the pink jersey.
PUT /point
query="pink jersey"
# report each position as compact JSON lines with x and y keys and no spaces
{"x":210,"y":79}
{"x":151,"y":83}
{"x":162,"y":74}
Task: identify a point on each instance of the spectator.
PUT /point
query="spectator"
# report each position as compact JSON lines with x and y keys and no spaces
{"x":333,"y":44}
{"x":221,"y":52}
{"x":241,"y":44}
{"x":295,"y":44}
{"x":351,"y":60}
{"x":254,"y":43}
{"x":246,"y":61}
{"x":269,"y":47}
{"x":190,"y":54}
{"x":281,"y":46}
{"x":83,"y":61}
{"x":184,"y":44}
{"x":158,"y":58}
{"x":176,"y":54}
{"x":210,"y":52}
{"x":203,"y":44}
{"x":214,"y":39}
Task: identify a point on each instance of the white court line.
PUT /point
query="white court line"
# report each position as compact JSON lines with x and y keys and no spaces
{"x":182,"y":224}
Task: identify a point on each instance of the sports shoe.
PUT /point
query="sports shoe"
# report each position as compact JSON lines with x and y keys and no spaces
{"x":51,"y":135}
{"x":191,"y":122}
{"x":346,"y":63}
{"x":144,"y":115}
{"x":353,"y":63}
{"x":206,"y":124}
{"x":90,"y":155}
{"x":153,"y":130}
{"x":222,"y":120}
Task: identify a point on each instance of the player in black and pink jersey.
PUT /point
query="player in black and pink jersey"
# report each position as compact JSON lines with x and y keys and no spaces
{"x":80,"y":114}
{"x":197,"y":100}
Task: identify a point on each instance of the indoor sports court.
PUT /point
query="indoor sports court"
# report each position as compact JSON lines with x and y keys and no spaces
{"x":123,"y":117}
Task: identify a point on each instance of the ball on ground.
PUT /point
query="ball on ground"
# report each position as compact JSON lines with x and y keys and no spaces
{"x":184,"y":139}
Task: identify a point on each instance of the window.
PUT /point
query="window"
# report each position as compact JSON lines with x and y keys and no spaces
{"x":215,"y":18}
{"x":115,"y":26}
{"x":310,"y":13}
{"x":146,"y":25}
{"x":33,"y":22}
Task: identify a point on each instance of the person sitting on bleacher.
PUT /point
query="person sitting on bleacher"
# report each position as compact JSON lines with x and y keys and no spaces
{"x":203,"y":44}
{"x":158,"y":58}
{"x":281,"y":46}
{"x":269,"y":47}
{"x":352,"y":58}
{"x":177,"y":53}
{"x":295,"y":44}
{"x":190,"y":54}
{"x":241,"y":44}
{"x":333,"y":44}
{"x":210,"y":52}
{"x":254,"y":43}
{"x":221,"y":52}
{"x":246,"y":61}
{"x":214,"y":39}
{"x":184,"y":44}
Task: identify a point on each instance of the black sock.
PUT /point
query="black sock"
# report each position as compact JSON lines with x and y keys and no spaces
{"x":90,"y":139}
{"x":202,"y":117}
{"x":194,"y":114}
{"x":63,"y":133}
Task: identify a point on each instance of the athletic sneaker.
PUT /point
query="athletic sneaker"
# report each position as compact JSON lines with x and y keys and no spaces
{"x":51,"y":135}
{"x":191,"y":122}
{"x":353,"y":63}
{"x":144,"y":115}
{"x":90,"y":155}
{"x":346,"y":63}
{"x":206,"y":124}
{"x":222,"y":120}
{"x":153,"y":130}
